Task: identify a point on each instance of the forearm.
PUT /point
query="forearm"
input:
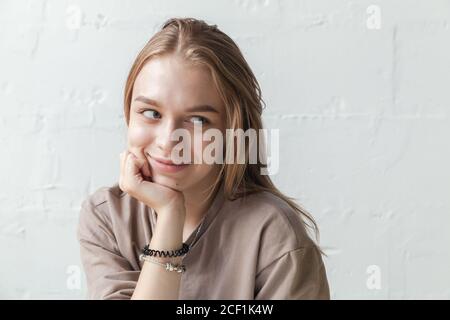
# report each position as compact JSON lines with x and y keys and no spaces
{"x":155,"y":282}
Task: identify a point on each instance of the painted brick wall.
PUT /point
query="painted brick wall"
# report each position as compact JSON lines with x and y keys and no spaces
{"x":359,"y":90}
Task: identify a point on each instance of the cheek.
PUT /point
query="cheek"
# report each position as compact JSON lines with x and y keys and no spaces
{"x":139,"y":135}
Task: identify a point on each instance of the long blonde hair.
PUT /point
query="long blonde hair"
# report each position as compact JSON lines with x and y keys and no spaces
{"x":205,"y":45}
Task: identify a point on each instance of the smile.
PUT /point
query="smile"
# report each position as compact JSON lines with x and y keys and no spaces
{"x":166,"y":165}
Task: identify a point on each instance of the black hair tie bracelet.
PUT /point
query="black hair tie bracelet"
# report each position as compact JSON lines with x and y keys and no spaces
{"x":165,"y":253}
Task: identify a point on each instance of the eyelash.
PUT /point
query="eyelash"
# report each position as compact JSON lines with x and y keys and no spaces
{"x":205,"y":121}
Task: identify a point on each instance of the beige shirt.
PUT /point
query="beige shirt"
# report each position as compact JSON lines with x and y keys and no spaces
{"x":252,"y":248}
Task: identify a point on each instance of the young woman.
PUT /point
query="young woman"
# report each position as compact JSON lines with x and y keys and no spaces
{"x":195,"y":230}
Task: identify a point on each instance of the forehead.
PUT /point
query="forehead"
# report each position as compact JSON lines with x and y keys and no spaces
{"x":172,"y":81}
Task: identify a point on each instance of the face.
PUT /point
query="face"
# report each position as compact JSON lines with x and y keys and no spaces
{"x":166,"y":96}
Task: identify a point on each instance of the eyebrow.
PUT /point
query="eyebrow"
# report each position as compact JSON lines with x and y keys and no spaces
{"x":199,"y":108}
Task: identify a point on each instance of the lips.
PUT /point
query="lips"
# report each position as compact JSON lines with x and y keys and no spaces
{"x":165,"y":165}
{"x":166,"y":161}
{"x":169,"y":162}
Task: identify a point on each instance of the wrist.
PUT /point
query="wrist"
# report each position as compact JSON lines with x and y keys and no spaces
{"x":168,"y":233}
{"x":165,"y":244}
{"x":171,"y":218}
{"x":174,"y":208}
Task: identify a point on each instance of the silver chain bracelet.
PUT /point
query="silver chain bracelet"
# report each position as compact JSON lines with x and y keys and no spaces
{"x":168,"y":265}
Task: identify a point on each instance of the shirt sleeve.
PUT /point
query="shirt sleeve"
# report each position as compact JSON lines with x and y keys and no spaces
{"x":297,"y":274}
{"x":108,"y":274}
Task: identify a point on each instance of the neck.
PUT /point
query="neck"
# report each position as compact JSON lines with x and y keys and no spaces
{"x":196,"y":206}
{"x":195,"y":199}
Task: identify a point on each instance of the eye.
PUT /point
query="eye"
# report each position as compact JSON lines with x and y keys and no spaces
{"x":151,"y":114}
{"x":199,"y":120}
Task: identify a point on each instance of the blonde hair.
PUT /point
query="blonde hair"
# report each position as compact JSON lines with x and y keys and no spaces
{"x":205,"y":45}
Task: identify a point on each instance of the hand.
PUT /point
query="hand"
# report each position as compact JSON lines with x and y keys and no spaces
{"x":142,"y":187}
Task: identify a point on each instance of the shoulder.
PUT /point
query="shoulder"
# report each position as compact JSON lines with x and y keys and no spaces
{"x":272,"y":220}
{"x":99,"y":207}
{"x":104,"y":194}
{"x":269,"y":227}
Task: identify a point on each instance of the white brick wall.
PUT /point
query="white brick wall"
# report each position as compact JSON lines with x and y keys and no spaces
{"x":359,"y":90}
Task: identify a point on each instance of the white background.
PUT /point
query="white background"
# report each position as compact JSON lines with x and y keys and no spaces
{"x":360,"y":91}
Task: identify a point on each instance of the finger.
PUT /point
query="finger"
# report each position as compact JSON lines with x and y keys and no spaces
{"x":121,"y":161}
{"x":146,"y":169}
{"x":132,"y":167}
{"x":149,"y":168}
{"x":144,"y":165}
{"x":139,"y":187}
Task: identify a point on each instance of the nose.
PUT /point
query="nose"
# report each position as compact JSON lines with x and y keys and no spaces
{"x":163,"y":139}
